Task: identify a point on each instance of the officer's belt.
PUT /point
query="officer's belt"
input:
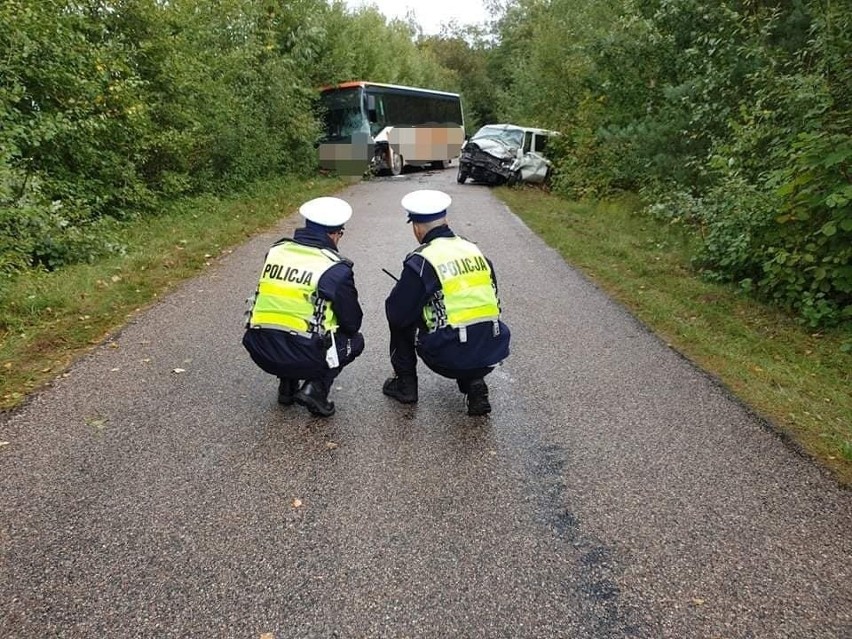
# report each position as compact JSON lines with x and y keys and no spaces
{"x":291,"y":331}
{"x":462,"y":328}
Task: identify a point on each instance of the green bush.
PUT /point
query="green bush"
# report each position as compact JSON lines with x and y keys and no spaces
{"x":51,"y":236}
{"x":732,"y":117}
{"x":809,"y":268}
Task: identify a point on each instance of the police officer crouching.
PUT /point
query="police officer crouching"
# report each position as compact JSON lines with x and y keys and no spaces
{"x":444,"y":308}
{"x":305,"y":316}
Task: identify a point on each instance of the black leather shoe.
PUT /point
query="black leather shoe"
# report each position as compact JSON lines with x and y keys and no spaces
{"x":403,"y":389}
{"x":287,"y":388}
{"x":477,"y":398}
{"x":311,"y":397}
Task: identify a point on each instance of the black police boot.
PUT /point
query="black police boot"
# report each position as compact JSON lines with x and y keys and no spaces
{"x":402,"y":388}
{"x":312,"y":397}
{"x":477,"y":398}
{"x":287,"y":388}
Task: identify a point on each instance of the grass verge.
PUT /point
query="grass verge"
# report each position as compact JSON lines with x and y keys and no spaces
{"x":797,"y":378}
{"x":48,"y":319}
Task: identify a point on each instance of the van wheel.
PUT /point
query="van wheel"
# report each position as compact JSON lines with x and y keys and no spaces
{"x":396,"y":162}
{"x":461,"y":178}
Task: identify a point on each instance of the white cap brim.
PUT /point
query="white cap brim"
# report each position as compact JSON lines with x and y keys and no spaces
{"x":426,"y":202}
{"x":328,"y":211}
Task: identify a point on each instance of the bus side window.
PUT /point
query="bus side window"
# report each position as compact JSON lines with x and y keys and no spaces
{"x":371,"y":108}
{"x":380,"y":108}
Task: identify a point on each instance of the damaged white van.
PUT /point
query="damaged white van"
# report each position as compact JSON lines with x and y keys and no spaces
{"x":505,"y":154}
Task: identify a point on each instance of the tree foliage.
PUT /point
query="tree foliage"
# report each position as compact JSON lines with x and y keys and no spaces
{"x":731,"y":115}
{"x":465,"y":53}
{"x":109,"y":106}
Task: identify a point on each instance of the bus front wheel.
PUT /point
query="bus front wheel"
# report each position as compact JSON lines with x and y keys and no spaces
{"x":395,"y":163}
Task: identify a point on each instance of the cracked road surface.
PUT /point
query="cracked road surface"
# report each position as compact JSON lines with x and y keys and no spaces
{"x":615,"y":491}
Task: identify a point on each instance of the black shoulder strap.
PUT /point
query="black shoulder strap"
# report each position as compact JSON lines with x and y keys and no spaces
{"x":334,"y":256}
{"x":283,"y":240}
{"x":417,"y":251}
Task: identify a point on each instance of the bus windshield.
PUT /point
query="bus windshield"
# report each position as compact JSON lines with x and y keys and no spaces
{"x":342,"y":112}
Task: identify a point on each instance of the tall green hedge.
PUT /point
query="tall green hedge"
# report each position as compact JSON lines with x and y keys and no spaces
{"x":108,"y":107}
{"x":732,"y":116}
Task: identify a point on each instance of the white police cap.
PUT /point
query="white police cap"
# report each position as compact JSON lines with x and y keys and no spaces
{"x":426,"y":205}
{"x":327,"y":211}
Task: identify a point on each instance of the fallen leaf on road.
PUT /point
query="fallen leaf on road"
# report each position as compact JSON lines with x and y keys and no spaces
{"x":297,"y":503}
{"x":96,"y":422}
{"x":178,"y":370}
{"x":697,"y":601}
{"x":4,"y":443}
{"x":267,"y":635}
{"x":331,"y":445}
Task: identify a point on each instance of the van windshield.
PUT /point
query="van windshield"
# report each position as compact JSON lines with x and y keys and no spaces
{"x":509,"y":137}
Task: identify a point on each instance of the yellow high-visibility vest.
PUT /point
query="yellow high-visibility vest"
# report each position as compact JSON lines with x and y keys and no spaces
{"x":467,"y":294}
{"x":287,"y":297}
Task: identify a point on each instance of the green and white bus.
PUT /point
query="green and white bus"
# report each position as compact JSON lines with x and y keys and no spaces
{"x":384,"y":127}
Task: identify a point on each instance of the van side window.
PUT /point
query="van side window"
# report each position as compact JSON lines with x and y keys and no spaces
{"x":527,"y":141}
{"x":540,"y":143}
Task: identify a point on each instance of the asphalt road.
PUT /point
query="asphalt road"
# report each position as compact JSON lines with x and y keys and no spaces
{"x":615,"y":491}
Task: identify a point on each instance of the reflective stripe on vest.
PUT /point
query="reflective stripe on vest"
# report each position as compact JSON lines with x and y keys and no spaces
{"x":467,"y":294}
{"x":287,"y":297}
